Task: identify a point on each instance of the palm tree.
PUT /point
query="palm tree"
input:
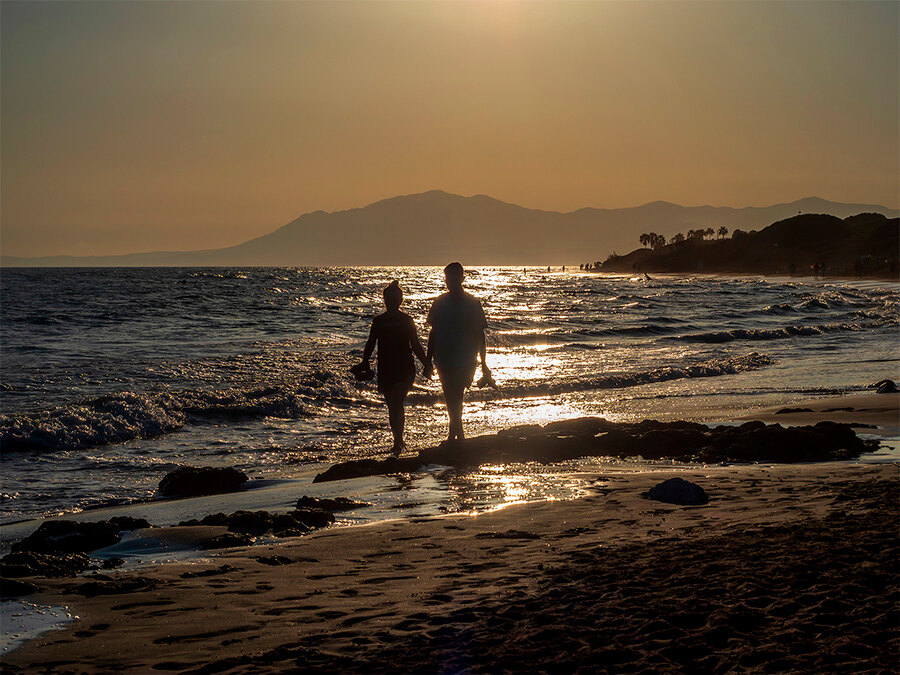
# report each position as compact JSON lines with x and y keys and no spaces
{"x":645,"y":239}
{"x":708,"y":232}
{"x":723,"y":232}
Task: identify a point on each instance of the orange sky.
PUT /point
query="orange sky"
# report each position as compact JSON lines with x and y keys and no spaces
{"x":137,"y":126}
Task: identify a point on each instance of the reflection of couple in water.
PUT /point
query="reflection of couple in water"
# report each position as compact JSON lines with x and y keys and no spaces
{"x":454,"y":344}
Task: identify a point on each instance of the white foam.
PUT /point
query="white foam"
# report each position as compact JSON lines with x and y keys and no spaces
{"x":21,"y":621}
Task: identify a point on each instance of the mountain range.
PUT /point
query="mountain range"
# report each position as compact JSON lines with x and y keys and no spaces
{"x":432,"y":228}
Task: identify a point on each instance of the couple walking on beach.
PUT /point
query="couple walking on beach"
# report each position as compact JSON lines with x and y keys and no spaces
{"x":455,"y":342}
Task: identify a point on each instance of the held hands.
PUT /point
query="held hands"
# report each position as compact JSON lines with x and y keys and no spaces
{"x":362,"y":371}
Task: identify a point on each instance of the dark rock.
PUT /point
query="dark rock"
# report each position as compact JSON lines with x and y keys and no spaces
{"x":28,"y":563}
{"x":286,"y":525}
{"x":659,"y":443}
{"x":774,"y":443}
{"x":112,"y":563}
{"x":250,"y":522}
{"x":678,"y":491}
{"x":16,"y":588}
{"x":291,"y":524}
{"x":127,"y":523}
{"x":215,"y":519}
{"x":228,"y":540}
{"x":594,"y":436}
{"x":581,"y":426}
{"x":752,"y":426}
{"x":191,"y":481}
{"x":215,"y":571}
{"x":68,"y":536}
{"x":368,"y":467}
{"x":312,"y":517}
{"x":297,"y":531}
{"x":885,"y":387}
{"x":274,"y":560}
{"x":326,"y":504}
{"x":615,"y":442}
{"x":521,"y":430}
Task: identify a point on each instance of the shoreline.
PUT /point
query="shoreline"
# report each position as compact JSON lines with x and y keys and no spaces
{"x":881,"y":411}
{"x":354,"y":597}
{"x":350,"y":597}
{"x":878,"y":415}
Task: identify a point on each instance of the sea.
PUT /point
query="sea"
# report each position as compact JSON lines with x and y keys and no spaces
{"x":111,"y":378}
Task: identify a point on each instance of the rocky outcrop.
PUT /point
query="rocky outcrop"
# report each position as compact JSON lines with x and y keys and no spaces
{"x":678,"y":491}
{"x":256,"y":523}
{"x":57,"y":548}
{"x":69,"y":536}
{"x":193,"y":481}
{"x":30,"y":564}
{"x":595,"y":436}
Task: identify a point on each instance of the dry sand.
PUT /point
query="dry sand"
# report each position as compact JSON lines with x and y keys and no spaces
{"x":787,"y":569}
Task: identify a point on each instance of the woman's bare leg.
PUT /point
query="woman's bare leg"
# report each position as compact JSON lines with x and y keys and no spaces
{"x":396,"y":415}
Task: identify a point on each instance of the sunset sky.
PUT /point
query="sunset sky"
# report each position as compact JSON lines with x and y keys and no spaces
{"x":137,"y":126}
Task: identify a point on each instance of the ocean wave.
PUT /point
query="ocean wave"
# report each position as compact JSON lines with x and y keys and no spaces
{"x":104,"y":420}
{"x":519,"y":389}
{"x":513,"y":339}
{"x":126,"y":416}
{"x":780,"y":308}
{"x":628,"y":331}
{"x":716,"y":337}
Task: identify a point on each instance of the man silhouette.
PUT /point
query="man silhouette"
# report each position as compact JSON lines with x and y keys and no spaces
{"x":455,"y":342}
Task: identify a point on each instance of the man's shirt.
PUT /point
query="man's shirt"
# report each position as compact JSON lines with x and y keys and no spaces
{"x":457,"y":322}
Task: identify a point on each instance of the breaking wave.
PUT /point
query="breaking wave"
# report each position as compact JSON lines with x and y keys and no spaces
{"x":765,"y":333}
{"x":126,"y":416}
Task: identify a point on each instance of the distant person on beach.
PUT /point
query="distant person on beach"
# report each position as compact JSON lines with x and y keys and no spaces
{"x":397,"y":339}
{"x":455,"y":342}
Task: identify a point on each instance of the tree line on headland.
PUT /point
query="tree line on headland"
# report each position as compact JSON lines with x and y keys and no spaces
{"x":864,"y":245}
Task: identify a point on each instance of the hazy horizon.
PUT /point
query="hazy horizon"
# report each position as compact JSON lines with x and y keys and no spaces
{"x":130,"y":127}
{"x":478,"y":229}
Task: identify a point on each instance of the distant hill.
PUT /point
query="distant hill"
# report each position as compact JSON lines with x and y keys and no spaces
{"x":434,"y":227}
{"x":863,"y":244}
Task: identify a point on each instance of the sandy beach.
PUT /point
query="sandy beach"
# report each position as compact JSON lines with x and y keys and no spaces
{"x":786,"y":569}
{"x":879,"y":410}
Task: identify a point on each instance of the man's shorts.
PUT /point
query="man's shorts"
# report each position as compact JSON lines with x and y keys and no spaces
{"x":456,"y":377}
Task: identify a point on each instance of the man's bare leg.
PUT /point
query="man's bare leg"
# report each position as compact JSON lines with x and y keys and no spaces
{"x":453,"y":398}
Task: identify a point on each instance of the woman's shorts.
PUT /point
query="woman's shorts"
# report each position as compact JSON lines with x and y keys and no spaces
{"x":388,"y":386}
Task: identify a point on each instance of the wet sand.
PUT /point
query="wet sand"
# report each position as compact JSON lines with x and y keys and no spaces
{"x":787,"y":569}
{"x":879,"y":410}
